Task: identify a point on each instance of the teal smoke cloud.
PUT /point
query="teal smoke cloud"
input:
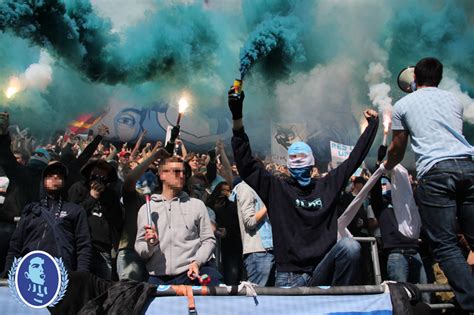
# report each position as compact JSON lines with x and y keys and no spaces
{"x":277,"y":39}
{"x":315,"y":53}
{"x":179,"y":39}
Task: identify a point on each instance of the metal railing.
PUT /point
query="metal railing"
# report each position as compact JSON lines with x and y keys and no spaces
{"x":374,"y":252}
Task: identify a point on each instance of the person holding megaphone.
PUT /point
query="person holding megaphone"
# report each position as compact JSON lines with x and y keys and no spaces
{"x":433,"y":120}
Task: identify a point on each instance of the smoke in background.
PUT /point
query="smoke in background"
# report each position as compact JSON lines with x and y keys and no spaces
{"x":319,"y":62}
{"x":175,"y":40}
{"x":37,"y":76}
{"x":275,"y":41}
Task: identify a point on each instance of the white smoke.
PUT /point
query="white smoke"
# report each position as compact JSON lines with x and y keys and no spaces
{"x":37,"y":76}
{"x":451,"y":84}
{"x":379,"y":91}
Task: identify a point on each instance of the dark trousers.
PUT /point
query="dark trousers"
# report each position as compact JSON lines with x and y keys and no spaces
{"x":6,"y":232}
{"x":445,"y":197}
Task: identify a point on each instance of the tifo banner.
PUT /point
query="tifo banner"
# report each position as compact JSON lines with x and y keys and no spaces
{"x":284,"y":135}
{"x":127,"y":122}
{"x":367,"y":304}
{"x":339,"y":153}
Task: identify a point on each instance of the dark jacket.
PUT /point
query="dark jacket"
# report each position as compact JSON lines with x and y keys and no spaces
{"x":25,"y":182}
{"x":104,"y":216}
{"x":60,"y":230}
{"x":74,"y":164}
{"x":383,"y":210}
{"x":304,"y":219}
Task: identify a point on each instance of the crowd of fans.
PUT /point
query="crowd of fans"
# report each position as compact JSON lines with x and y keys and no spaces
{"x":85,"y":199}
{"x":107,"y":185}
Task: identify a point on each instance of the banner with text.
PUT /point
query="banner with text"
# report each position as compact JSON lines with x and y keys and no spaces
{"x":339,"y":153}
{"x":284,"y":135}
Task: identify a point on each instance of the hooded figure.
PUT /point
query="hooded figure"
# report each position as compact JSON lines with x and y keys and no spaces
{"x":24,"y":183}
{"x":97,"y":195}
{"x":53,"y":225}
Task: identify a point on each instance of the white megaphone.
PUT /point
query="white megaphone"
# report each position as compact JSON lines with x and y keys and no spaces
{"x":406,"y":80}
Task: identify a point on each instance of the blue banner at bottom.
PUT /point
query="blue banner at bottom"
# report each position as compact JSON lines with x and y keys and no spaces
{"x":370,"y":304}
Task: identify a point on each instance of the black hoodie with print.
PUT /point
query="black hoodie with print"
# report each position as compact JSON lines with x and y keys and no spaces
{"x":304,"y":219}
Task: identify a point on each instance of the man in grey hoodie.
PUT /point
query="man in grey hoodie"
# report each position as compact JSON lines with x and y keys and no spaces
{"x":179,"y":244}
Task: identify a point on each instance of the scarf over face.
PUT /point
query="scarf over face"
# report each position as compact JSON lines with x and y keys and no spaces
{"x":300,"y":162}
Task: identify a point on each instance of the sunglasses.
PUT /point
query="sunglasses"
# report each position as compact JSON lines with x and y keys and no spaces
{"x":99,"y":178}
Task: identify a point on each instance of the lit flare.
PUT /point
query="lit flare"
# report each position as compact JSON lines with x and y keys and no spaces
{"x":183,"y":105}
{"x":387,"y":122}
{"x":14,"y":87}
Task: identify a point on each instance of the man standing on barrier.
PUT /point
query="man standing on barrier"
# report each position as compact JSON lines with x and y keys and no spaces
{"x":302,"y":210}
{"x":432,"y":118}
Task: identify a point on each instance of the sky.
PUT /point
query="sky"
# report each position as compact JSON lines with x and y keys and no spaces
{"x":319,"y":63}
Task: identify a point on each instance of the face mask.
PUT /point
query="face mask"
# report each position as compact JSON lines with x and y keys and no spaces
{"x":302,"y":175}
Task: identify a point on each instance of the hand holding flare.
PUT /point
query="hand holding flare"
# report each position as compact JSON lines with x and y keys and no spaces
{"x":387,"y":122}
{"x":183,"y":105}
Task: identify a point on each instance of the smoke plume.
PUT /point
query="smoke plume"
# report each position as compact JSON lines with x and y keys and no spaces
{"x":320,"y":62}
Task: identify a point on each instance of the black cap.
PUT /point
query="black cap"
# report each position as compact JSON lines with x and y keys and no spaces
{"x":55,"y":168}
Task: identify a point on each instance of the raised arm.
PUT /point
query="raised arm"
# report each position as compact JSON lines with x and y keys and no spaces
{"x":134,"y":153}
{"x":251,"y":171}
{"x":7,"y":160}
{"x":134,"y":175}
{"x":89,"y":150}
{"x":226,"y":169}
{"x":338,"y":177}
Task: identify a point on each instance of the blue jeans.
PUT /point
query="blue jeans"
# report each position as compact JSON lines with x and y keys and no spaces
{"x":405,"y":265}
{"x":130,"y":265}
{"x":445,"y":197}
{"x":260,"y":267}
{"x":340,"y":266}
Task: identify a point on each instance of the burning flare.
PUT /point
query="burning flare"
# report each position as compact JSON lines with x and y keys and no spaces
{"x":387,"y":123}
{"x":14,"y":87}
{"x":183,"y":105}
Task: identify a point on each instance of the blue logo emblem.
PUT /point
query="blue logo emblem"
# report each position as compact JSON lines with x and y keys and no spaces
{"x":38,"y":280}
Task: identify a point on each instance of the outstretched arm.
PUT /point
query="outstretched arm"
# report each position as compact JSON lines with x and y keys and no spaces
{"x":338,"y":177}
{"x":134,"y":153}
{"x":135,"y":174}
{"x":251,"y":171}
{"x":89,"y":150}
{"x":11,"y":167}
{"x":226,"y":170}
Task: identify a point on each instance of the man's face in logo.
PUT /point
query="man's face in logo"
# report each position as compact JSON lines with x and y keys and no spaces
{"x":35,"y":271}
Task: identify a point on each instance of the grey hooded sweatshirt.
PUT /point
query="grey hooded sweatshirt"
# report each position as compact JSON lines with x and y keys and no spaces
{"x":184,"y":235}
